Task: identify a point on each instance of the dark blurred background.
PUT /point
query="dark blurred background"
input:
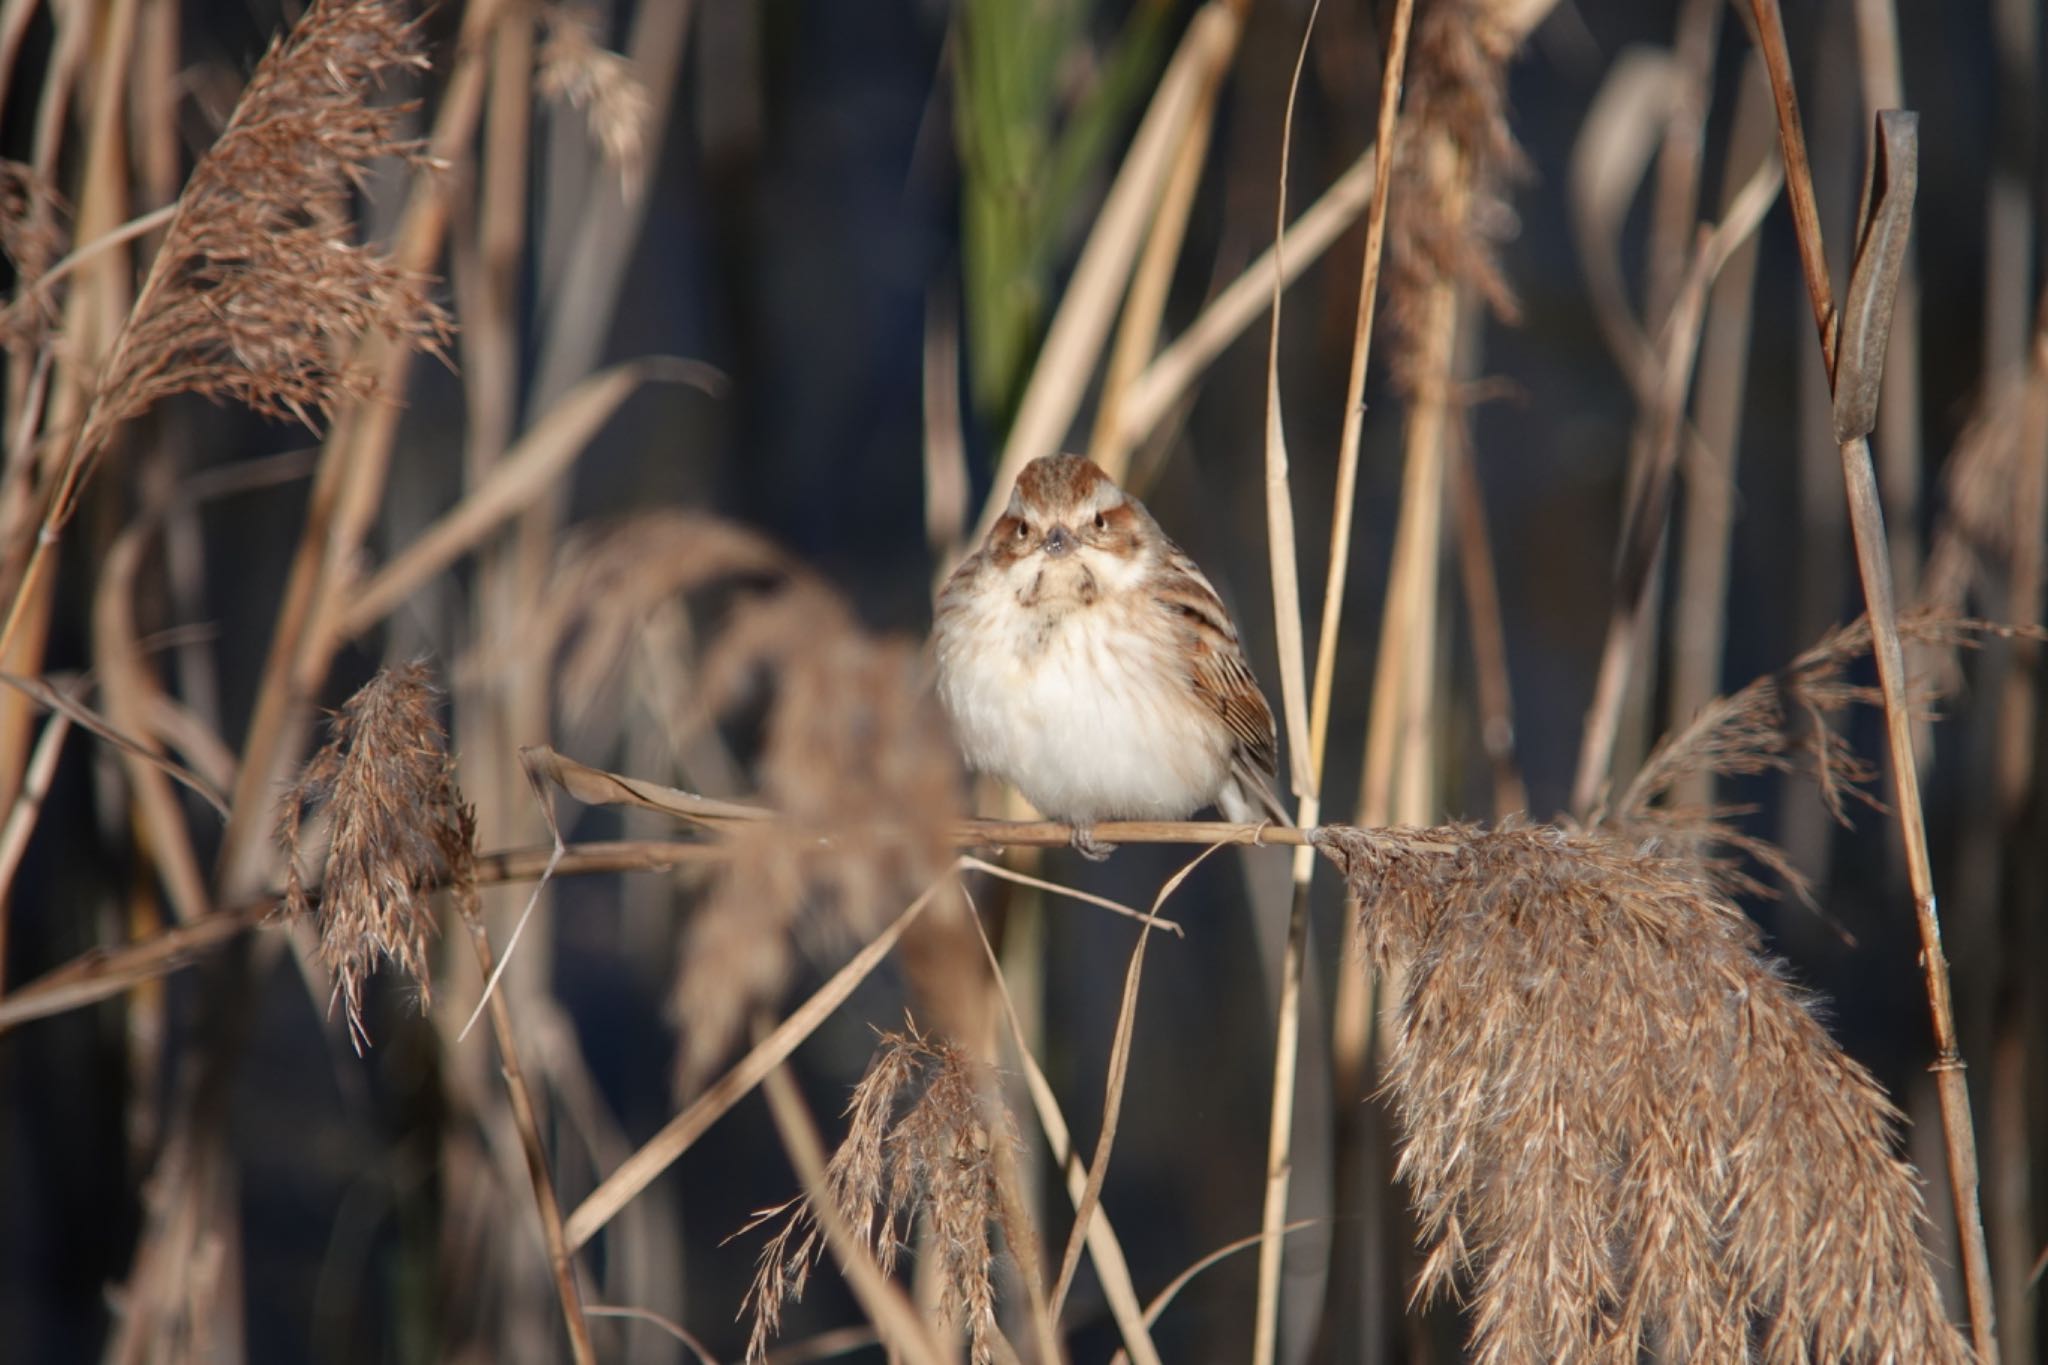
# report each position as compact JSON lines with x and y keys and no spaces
{"x":805,"y":229}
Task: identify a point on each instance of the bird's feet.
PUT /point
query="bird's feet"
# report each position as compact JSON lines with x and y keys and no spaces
{"x":1088,"y":846}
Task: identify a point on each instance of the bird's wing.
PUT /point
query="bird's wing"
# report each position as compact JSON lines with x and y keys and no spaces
{"x":1217,"y":667}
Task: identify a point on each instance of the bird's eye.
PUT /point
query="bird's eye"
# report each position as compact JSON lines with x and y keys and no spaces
{"x":1101,"y":522}
{"x":1022,"y":530}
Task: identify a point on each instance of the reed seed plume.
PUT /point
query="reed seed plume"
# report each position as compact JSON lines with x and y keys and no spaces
{"x":259,"y":292}
{"x":1623,"y":1130}
{"x":397,"y":827}
{"x":919,"y":1148}
{"x":852,"y":753}
{"x":577,"y":71}
{"x":1456,"y":111}
{"x":1780,"y":723}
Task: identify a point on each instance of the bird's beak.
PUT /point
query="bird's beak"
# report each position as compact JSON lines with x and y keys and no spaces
{"x":1058,"y":541}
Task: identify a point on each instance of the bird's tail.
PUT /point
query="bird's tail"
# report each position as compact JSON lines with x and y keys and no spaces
{"x":1248,"y":798}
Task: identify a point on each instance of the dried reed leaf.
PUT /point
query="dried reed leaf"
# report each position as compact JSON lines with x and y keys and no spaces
{"x":258,"y":292}
{"x":517,"y":479}
{"x":397,"y":828}
{"x":578,"y":71}
{"x":920,"y":1148}
{"x":1623,"y":1129}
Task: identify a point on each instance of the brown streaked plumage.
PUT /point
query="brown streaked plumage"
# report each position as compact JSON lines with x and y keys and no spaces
{"x":1085,"y":659}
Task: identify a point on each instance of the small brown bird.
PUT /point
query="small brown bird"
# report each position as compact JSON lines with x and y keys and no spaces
{"x":1084,"y":658}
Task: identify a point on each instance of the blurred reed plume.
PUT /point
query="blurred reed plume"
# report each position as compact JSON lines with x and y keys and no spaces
{"x":578,"y":71}
{"x":1623,"y":1130}
{"x":31,"y":240}
{"x":1445,"y":221}
{"x":1980,"y":532}
{"x":919,"y":1154}
{"x":396,"y":828}
{"x":852,"y":754}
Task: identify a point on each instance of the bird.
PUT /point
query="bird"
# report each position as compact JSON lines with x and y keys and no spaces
{"x":1085,"y":659}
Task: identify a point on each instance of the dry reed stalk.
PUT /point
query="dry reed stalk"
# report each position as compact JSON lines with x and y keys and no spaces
{"x":46,"y":384}
{"x":1874,"y":568}
{"x":518,"y":478}
{"x":398,"y":827}
{"x":945,"y":434}
{"x":1647,"y":515}
{"x":1287,"y":628}
{"x":1489,"y":633}
{"x":1165,"y":1297}
{"x":1112,"y":1106}
{"x":668,"y":1325}
{"x":1455,"y":147}
{"x":1103,"y":1247}
{"x":26,"y":808}
{"x":1624,"y":1131}
{"x":1167,"y":379}
{"x":100,"y":974}
{"x":1308,"y":731}
{"x":1699,"y":610}
{"x":677,"y":1136}
{"x":923,"y":1127}
{"x":1681,"y":85}
{"x":1137,"y":335}
{"x":585,"y":245}
{"x":130,"y":692}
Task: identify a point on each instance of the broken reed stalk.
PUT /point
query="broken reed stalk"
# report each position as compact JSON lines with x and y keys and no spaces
{"x":1873,"y":565}
{"x":1287,"y":1033}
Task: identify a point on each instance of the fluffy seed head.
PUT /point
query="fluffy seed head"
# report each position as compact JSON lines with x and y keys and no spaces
{"x":1623,"y":1129}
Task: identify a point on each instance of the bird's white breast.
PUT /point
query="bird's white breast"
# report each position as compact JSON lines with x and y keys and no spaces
{"x":1087,"y":708}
